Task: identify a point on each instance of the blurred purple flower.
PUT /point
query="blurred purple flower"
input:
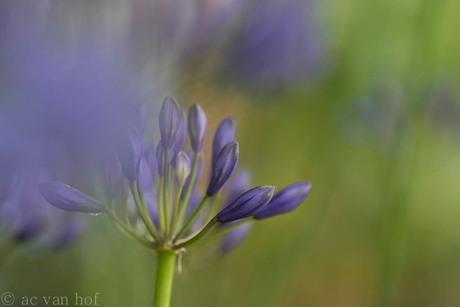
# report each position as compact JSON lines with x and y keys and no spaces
{"x":234,"y":237}
{"x":65,"y":197}
{"x":277,"y":43}
{"x":170,"y":121}
{"x":129,"y":152}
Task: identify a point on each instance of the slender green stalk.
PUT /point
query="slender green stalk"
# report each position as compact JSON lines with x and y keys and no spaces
{"x":164,"y":280}
{"x":193,"y":216}
{"x":161,"y":214}
{"x":199,"y":235}
{"x":143,"y":211}
{"x":176,"y":210}
{"x":166,"y":198}
{"x":184,"y":202}
{"x":225,"y":230}
{"x":127,"y":230}
{"x":215,"y":205}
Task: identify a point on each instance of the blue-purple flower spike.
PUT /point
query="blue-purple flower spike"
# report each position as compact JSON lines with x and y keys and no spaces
{"x":196,"y":127}
{"x":223,"y":167}
{"x":65,"y":197}
{"x":170,"y":118}
{"x":129,"y":152}
{"x":246,"y":204}
{"x":181,"y":134}
{"x":225,"y":133}
{"x":285,"y":200}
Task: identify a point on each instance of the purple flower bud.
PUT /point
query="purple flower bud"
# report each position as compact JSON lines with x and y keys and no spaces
{"x":170,"y":117}
{"x":234,"y":238}
{"x":144,"y":178}
{"x":246,"y":204}
{"x":285,"y":200}
{"x":225,"y":133}
{"x":182,"y":167}
{"x":180,"y":135}
{"x":223,"y":167}
{"x":65,"y":197}
{"x":129,"y":152}
{"x":196,"y":127}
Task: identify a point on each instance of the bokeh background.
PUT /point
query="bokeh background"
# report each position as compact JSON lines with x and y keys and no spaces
{"x":359,"y":97}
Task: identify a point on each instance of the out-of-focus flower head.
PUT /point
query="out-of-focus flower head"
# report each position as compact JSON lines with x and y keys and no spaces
{"x":443,"y":106}
{"x":375,"y":117}
{"x":277,"y":43}
{"x":166,"y":217}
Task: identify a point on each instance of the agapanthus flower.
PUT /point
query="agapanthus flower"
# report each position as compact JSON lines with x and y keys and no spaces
{"x":175,"y":214}
{"x":278,"y":42}
{"x":25,"y":218}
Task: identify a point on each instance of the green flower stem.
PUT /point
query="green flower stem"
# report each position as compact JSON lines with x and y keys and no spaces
{"x":143,"y":211}
{"x":164,"y":280}
{"x":166,"y":198}
{"x":176,"y":210}
{"x":127,"y":230}
{"x":199,"y":235}
{"x":193,"y":216}
{"x":184,"y":202}
{"x":215,"y":205}
{"x":161,"y":214}
{"x":225,"y":230}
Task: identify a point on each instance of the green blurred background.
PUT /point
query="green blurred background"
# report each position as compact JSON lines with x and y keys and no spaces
{"x":380,"y":227}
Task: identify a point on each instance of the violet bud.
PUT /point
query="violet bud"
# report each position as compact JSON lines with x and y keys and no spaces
{"x":170,"y":117}
{"x":65,"y":197}
{"x":223,"y":167}
{"x":285,"y":200}
{"x":180,"y":135}
{"x":197,"y":127}
{"x":129,"y":152}
{"x":225,"y":133}
{"x":182,"y":167}
{"x":246,"y":204}
{"x":235,"y":237}
{"x":144,"y":178}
